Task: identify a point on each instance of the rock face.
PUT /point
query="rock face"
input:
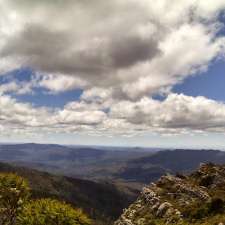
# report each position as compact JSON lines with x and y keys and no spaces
{"x":195,"y":199}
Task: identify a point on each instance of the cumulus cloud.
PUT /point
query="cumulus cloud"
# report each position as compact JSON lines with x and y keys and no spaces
{"x":176,"y":114}
{"x":19,"y":88}
{"x":116,"y":44}
{"x":120,"y":53}
{"x":20,"y":115}
{"x":60,"y":83}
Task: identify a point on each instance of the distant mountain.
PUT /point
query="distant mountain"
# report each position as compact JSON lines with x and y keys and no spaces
{"x":150,"y":168}
{"x":69,"y":160}
{"x":102,"y":201}
{"x":196,"y":199}
{"x":128,"y":166}
{"x":139,"y":173}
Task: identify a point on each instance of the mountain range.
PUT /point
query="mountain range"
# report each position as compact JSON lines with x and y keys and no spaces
{"x":128,"y":166}
{"x":100,"y":181}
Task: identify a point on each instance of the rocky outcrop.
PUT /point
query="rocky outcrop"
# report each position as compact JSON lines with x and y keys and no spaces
{"x":178,"y":199}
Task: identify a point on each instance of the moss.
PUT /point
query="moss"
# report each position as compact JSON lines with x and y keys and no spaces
{"x":206,"y":181}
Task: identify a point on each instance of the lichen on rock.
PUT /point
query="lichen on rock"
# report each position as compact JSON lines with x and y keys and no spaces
{"x":198,"y":198}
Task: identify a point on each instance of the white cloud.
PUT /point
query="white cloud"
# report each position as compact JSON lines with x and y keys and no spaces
{"x":137,"y":48}
{"x":97,"y":94}
{"x":120,"y":53}
{"x":86,"y":117}
{"x":177,"y":114}
{"x":19,"y":88}
{"x":60,"y":83}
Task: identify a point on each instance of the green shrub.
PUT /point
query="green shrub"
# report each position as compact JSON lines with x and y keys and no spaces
{"x":216,"y":205}
{"x":152,"y":223}
{"x":51,"y":212}
{"x":201,"y":210}
{"x":14,"y":192}
{"x":15,"y":209}
{"x":206,"y":181}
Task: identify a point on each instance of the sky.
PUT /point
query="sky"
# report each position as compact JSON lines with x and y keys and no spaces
{"x":118,"y":72}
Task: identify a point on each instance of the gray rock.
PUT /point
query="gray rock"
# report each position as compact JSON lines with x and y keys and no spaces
{"x":162,"y":209}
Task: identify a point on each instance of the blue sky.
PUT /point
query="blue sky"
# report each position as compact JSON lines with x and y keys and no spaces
{"x":41,"y":96}
{"x":143,"y":75}
{"x":210,"y":84}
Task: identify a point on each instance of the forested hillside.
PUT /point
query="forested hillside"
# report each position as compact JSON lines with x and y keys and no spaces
{"x":101,"y":201}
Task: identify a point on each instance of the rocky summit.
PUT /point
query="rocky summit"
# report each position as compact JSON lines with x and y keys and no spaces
{"x":197,"y":198}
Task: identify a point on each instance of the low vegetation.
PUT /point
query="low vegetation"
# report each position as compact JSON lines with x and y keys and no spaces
{"x":103,"y":202}
{"x":195,"y":199}
{"x":16,"y":207}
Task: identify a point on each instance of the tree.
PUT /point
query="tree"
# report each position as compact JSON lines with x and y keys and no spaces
{"x":14,"y":192}
{"x":51,"y":212}
{"x":17,"y":209}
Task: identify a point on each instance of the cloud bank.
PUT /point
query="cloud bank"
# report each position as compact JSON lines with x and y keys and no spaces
{"x":120,"y":53}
